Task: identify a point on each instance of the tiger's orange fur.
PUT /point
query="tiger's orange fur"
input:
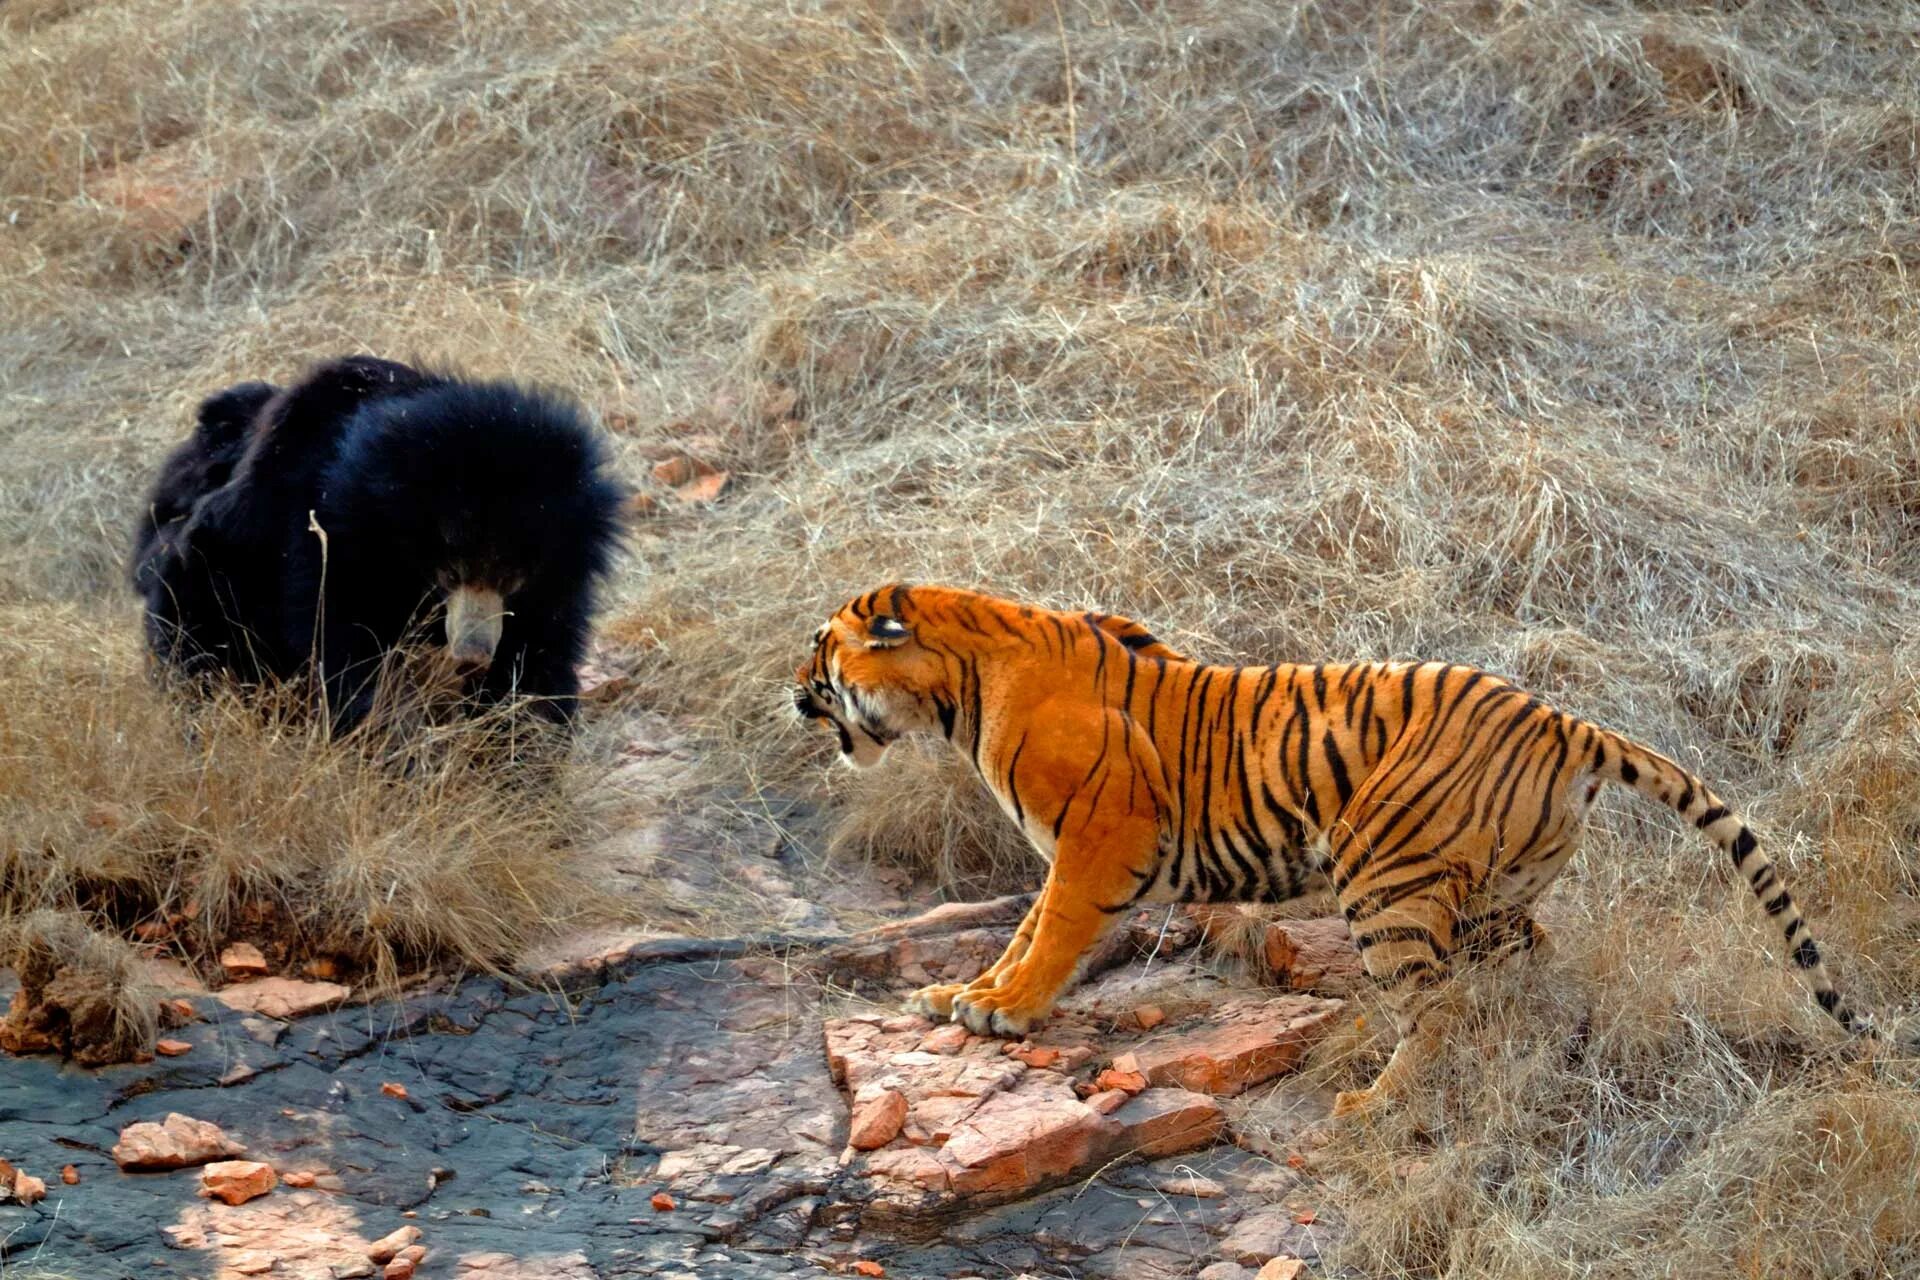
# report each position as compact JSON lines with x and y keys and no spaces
{"x":1438,"y":801}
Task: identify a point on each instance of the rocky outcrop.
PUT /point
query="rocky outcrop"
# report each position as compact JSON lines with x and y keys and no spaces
{"x":677,"y":1113}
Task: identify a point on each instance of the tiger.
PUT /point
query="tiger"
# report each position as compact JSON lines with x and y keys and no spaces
{"x":1437,"y":801}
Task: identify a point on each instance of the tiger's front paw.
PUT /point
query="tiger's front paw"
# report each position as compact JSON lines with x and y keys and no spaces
{"x":996,"y":1013}
{"x":935,"y":1002}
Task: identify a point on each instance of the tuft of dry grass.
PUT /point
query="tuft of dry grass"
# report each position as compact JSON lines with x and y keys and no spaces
{"x":208,"y":823}
{"x":82,"y":991}
{"x":1576,"y":339}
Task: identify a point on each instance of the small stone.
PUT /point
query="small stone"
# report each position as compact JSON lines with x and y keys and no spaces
{"x":676,"y":470}
{"x":70,"y":1176}
{"x":1149,"y":1016}
{"x":662,"y":1201}
{"x":1200,"y":1188}
{"x":237,"y":1181}
{"x":1224,"y":1271}
{"x":948,"y":1040}
{"x":399,"y":1269}
{"x":172,"y":1048}
{"x":1110,"y":1101}
{"x":21,"y":1185}
{"x":177,"y":1011}
{"x":877,"y":1120}
{"x":394,"y":1089}
{"x":251,"y":1264}
{"x":1306,"y":1217}
{"x":175,"y":1143}
{"x":243,"y":960}
{"x":703,"y":488}
{"x":1075,"y":1056}
{"x":1116,"y":1077}
{"x":414,"y":1253}
{"x":324,"y":968}
{"x":1037,"y":1057}
{"x":388,"y":1247}
{"x":866,"y":1267}
{"x":1281,"y":1269}
{"x":351,"y":1269}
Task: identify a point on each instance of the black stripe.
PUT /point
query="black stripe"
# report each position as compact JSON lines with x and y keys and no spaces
{"x":1806,"y":955}
{"x":1742,"y":846}
{"x":1341,"y":785}
{"x":1394,"y":933}
{"x":1710,"y":817}
{"x":1628,"y":774}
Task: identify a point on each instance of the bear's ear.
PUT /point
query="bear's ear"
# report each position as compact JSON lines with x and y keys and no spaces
{"x":887,"y":633}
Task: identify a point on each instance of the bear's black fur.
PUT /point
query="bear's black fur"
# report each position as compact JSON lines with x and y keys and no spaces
{"x":314,"y":528}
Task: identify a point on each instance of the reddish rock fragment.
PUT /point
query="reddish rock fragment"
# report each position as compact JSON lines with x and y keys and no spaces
{"x":237,"y":1181}
{"x":662,"y":1201}
{"x":1281,"y":1269}
{"x":877,"y":1119}
{"x":1110,"y":1101}
{"x":243,"y":960}
{"x":1125,"y":1078}
{"x":1149,"y":1016}
{"x":172,"y":1048}
{"x":865,"y":1267}
{"x":298,"y":1178}
{"x":70,"y":1176}
{"x":393,"y":1089}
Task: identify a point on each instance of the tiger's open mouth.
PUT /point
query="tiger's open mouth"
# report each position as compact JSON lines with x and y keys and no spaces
{"x":861,"y":744}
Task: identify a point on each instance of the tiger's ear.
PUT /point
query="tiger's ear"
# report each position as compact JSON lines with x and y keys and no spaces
{"x":887,"y":633}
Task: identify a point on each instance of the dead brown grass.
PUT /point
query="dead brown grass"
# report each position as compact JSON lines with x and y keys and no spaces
{"x":202,"y":825}
{"x":1575,"y":339}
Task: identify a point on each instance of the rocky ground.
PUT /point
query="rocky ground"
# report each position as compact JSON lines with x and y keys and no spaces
{"x":642,"y":1105}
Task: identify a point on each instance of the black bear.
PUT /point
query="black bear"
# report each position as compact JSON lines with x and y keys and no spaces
{"x":317,"y":527}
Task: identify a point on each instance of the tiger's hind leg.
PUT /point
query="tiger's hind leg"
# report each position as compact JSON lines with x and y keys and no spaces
{"x":1408,"y":949}
{"x":1502,"y":934}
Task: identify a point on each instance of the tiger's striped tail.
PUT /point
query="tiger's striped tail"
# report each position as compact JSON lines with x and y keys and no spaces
{"x":1622,"y":760}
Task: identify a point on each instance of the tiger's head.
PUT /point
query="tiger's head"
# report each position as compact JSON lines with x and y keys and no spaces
{"x":868,"y":680}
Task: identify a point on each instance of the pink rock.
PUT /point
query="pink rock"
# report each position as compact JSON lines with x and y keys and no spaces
{"x":243,"y":960}
{"x":1252,"y":1043}
{"x":175,"y":1143}
{"x":1305,"y":954}
{"x":1281,"y":1269}
{"x":877,"y":1119}
{"x":1109,"y":1101}
{"x":1166,"y":1122}
{"x":915,"y":1166}
{"x":1017,"y":1141}
{"x":949,"y":1039}
{"x":282,"y":997}
{"x":237,"y":1181}
{"x":388,"y":1247}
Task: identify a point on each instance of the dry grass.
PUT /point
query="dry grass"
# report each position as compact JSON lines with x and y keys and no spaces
{"x":213,"y":823}
{"x":1572,"y":338}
